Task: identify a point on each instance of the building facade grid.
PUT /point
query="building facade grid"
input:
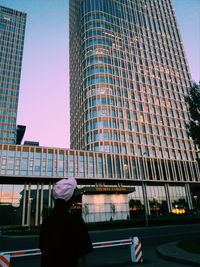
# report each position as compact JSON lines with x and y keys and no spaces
{"x":54,"y":162}
{"x":129,"y":76}
{"x":128,"y":79}
{"x":12,"y":30}
{"x":28,"y":173}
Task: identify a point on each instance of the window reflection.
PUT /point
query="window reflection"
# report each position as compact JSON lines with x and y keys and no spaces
{"x":178,"y":199}
{"x":157,"y":200}
{"x":10,"y":204}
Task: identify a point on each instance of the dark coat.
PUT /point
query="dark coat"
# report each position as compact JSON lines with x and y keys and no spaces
{"x":63,"y":238}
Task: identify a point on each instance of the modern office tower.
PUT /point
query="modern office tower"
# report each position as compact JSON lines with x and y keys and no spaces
{"x":129,"y":75}
{"x":12,"y":30}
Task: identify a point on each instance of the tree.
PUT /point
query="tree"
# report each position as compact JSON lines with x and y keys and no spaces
{"x":193,"y":100}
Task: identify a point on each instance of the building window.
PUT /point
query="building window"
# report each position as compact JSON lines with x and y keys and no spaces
{"x":145,"y":140}
{"x":136,"y":127}
{"x":139,"y":151}
{"x":138,"y":139}
{"x":143,"y":129}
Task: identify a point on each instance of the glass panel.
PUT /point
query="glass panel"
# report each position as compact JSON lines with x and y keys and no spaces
{"x":11,"y":204}
{"x":71,"y":166}
{"x":81,"y":166}
{"x":157,"y":200}
{"x":109,"y":167}
{"x":178,"y":199}
{"x":91,"y":166}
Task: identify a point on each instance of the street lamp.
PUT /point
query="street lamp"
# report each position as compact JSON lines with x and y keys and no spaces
{"x":145,"y":198}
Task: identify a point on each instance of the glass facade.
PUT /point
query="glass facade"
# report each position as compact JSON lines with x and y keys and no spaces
{"x":128,"y":78}
{"x":30,"y":202}
{"x":10,"y":204}
{"x":24,"y":204}
{"x":32,"y":161}
{"x":12,"y":28}
{"x":27,"y":175}
{"x":104,"y":207}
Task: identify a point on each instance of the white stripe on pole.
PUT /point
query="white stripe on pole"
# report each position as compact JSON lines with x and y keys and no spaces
{"x":4,"y":260}
{"x":136,"y":250}
{"x":139,"y":257}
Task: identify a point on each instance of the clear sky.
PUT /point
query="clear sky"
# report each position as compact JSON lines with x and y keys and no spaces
{"x":44,"y":91}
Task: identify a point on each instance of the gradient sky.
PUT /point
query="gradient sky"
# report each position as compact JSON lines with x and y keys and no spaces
{"x":44,"y":91}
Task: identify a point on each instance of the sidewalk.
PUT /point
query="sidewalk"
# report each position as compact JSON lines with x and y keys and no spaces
{"x":172,"y":252}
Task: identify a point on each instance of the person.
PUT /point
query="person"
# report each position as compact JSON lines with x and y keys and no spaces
{"x":64,"y":239}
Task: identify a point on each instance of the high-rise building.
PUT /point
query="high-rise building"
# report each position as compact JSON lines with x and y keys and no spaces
{"x":129,"y":75}
{"x":130,"y":150}
{"x":12,"y":30}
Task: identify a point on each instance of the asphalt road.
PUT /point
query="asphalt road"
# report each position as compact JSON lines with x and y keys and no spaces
{"x":117,"y":256}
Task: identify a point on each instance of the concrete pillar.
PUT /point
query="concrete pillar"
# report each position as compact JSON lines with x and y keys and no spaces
{"x":37,"y":205}
{"x":146,"y":203}
{"x":169,"y":203}
{"x":24,"y":205}
{"x":28,"y":213}
{"x":41,"y":204}
{"x":188,"y":196}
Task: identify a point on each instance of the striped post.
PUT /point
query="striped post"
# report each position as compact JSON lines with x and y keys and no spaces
{"x":4,"y":260}
{"x":135,"y":247}
{"x":136,"y":250}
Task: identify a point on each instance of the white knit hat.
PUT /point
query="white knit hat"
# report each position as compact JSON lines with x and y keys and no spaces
{"x":64,"y":189}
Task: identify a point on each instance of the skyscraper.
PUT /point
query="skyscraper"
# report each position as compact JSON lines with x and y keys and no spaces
{"x":12,"y":30}
{"x":129,"y":75}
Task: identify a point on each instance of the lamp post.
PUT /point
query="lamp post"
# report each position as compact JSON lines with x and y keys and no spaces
{"x":145,"y":197}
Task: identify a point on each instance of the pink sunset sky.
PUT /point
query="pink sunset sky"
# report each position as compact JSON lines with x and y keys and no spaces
{"x":44,"y":90}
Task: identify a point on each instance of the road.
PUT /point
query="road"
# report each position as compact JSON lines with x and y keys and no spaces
{"x":117,"y":256}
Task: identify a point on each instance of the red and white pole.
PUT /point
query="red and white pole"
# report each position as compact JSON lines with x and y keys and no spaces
{"x":4,"y":260}
{"x":136,"y":250}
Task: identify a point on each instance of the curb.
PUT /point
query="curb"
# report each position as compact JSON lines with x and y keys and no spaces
{"x":172,"y":252}
{"x":19,"y":236}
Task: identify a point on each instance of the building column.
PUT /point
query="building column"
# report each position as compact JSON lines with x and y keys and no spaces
{"x":37,"y":205}
{"x":41,"y":204}
{"x":28,"y":214}
{"x":49,"y":196}
{"x":146,"y":203}
{"x":24,"y":205}
{"x":169,"y":203}
{"x":188,"y":196}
